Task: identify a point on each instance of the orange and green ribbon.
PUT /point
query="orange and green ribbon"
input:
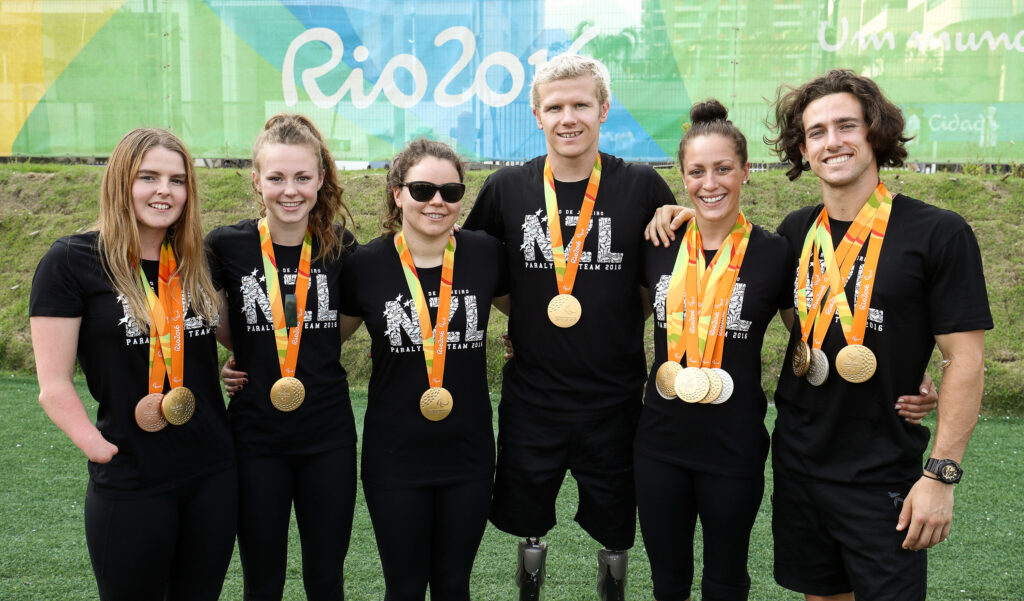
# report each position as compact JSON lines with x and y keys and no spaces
{"x":435,"y":340}
{"x":712,"y":285}
{"x":287,"y":341}
{"x":566,"y":268}
{"x":869,"y":226}
{"x":166,"y":323}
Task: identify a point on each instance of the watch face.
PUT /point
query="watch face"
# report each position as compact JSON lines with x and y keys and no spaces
{"x":949,"y":472}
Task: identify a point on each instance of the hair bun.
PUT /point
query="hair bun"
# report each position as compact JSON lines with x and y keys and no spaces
{"x":709,"y":110}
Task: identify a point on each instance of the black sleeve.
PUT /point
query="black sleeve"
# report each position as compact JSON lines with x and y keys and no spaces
{"x":787,"y":271}
{"x":56,"y":292}
{"x":213,"y":260}
{"x":660,"y":194}
{"x":501,"y":287}
{"x":957,"y":298}
{"x":486,"y":212}
{"x":348,"y":302}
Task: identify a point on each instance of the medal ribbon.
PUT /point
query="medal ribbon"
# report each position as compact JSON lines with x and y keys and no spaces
{"x":839,"y":266}
{"x":287,"y":341}
{"x":565,"y":272}
{"x":700,"y":309}
{"x":166,"y":323}
{"x":435,"y":343}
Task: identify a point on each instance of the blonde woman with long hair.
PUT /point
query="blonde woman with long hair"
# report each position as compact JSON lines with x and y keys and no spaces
{"x":133,"y":300}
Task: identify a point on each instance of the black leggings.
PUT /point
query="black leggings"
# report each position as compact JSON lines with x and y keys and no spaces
{"x":429,"y":535}
{"x":669,"y":499}
{"x":323,"y":487}
{"x":167,"y":546}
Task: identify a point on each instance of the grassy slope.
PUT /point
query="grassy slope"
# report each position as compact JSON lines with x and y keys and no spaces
{"x":40,"y":203}
{"x":42,"y":487}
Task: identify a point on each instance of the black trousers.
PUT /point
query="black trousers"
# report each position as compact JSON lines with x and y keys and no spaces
{"x":428,"y":536}
{"x":172,"y":545}
{"x":669,"y":499}
{"x":323,"y":488}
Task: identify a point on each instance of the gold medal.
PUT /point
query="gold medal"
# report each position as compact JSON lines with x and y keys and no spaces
{"x":728,"y":386}
{"x":801,"y":358}
{"x":856,"y":363}
{"x":817,"y":372}
{"x":148,"y":414}
{"x":665,"y":380}
{"x":178,"y":405}
{"x":564,"y":310}
{"x":436,"y":403}
{"x":692,"y":385}
{"x":287,"y":394}
{"x":714,"y":385}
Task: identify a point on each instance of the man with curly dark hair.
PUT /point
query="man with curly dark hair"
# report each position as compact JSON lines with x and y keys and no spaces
{"x":881,"y":280}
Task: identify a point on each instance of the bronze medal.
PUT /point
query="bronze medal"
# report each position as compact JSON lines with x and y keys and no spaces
{"x":801,"y":358}
{"x":564,"y":310}
{"x":436,"y":403}
{"x":178,"y":405}
{"x":692,"y":384}
{"x":148,"y":414}
{"x":714,"y":388}
{"x":856,"y":363}
{"x":287,"y":394}
{"x":665,"y":380}
{"x":728,"y":386}
{"x":817,"y":372}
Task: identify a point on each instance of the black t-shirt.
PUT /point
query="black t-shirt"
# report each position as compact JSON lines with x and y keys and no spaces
{"x":929,"y":282}
{"x":598,"y":364}
{"x":324,"y":420}
{"x":401,"y":448}
{"x":114,"y":354}
{"x":730,"y":438}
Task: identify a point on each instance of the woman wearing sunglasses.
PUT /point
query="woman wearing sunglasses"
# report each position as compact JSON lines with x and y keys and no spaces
{"x":428,"y":444}
{"x":290,"y":408}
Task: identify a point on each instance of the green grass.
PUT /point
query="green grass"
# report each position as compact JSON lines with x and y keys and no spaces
{"x":42,"y":202}
{"x":42,"y":488}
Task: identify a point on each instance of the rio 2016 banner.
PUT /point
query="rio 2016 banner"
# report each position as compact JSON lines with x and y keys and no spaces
{"x":74,"y":76}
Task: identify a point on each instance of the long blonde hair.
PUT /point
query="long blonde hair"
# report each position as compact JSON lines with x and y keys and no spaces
{"x":119,"y":243}
{"x":298,"y":130}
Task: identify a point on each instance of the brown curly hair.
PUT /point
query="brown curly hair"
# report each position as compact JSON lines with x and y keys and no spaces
{"x":884,"y":119}
{"x":414,"y":152}
{"x":298,"y":130}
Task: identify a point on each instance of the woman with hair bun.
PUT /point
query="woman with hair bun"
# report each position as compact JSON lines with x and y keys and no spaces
{"x":701,"y":443}
{"x":428,"y":444}
{"x":133,"y":300}
{"x":290,"y":408}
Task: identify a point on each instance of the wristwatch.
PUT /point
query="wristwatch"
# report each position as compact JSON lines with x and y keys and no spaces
{"x":945,"y":470}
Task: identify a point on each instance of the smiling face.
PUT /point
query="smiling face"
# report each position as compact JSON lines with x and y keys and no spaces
{"x":571,"y":115}
{"x":713,"y":173}
{"x":435,"y":217}
{"x":159,"y":191}
{"x":836,"y":142}
{"x":288,"y":178}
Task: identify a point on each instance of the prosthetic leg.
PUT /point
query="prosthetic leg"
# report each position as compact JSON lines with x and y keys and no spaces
{"x":611,"y":575}
{"x":530,"y":568}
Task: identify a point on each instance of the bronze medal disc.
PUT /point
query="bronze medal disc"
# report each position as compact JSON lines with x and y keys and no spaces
{"x":728,"y":386}
{"x":148,"y":414}
{"x":856,"y":363}
{"x":564,"y":310}
{"x":436,"y":403}
{"x":692,"y":384}
{"x":801,"y":358}
{"x":715,"y":387}
{"x":287,"y":394}
{"x":665,"y":381}
{"x":817,"y":373}
{"x":178,"y":405}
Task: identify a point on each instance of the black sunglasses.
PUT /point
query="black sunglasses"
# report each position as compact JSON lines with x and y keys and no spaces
{"x":424,"y":191}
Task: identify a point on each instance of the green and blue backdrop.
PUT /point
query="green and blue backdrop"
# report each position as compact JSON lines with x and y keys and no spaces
{"x":74,"y":76}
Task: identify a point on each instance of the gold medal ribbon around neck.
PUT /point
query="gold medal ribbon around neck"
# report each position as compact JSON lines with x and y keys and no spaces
{"x":287,"y":340}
